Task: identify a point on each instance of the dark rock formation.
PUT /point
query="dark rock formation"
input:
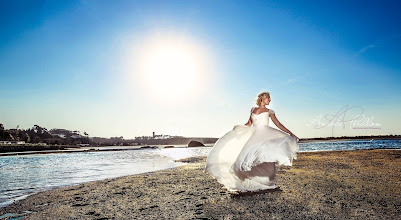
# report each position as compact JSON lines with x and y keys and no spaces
{"x":149,"y":147}
{"x":195,"y":144}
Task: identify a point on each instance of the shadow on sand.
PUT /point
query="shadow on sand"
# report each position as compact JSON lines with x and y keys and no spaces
{"x":239,"y":194}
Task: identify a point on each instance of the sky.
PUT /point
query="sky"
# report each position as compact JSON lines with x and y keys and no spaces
{"x":194,"y":68}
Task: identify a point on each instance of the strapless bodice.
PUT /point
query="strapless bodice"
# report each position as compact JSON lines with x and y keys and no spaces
{"x":261,"y":119}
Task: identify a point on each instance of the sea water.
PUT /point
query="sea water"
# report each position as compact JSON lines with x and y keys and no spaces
{"x":23,"y":175}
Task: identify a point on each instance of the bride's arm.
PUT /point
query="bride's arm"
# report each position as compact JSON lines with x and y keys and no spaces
{"x":249,"y":123}
{"x":281,"y":126}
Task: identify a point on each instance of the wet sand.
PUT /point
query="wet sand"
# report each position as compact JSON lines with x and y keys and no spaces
{"x":358,"y":184}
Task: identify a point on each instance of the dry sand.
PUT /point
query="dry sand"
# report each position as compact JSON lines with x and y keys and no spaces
{"x":359,"y":184}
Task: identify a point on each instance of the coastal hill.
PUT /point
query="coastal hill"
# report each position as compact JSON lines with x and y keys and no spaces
{"x":57,"y":136}
{"x":39,"y":138}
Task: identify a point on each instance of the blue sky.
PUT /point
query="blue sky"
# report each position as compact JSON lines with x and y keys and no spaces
{"x":68,"y":64}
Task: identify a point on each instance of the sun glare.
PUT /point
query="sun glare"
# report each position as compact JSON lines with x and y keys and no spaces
{"x":171,"y":69}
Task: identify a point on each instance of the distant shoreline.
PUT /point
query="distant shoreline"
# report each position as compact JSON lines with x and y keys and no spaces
{"x":10,"y":150}
{"x":307,"y":140}
{"x":76,"y":149}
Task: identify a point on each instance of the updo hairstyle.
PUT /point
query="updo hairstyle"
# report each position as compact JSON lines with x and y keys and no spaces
{"x":261,"y":96}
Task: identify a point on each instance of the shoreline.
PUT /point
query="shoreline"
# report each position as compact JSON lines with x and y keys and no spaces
{"x":74,"y":149}
{"x":347,"y":139}
{"x":330,"y":184}
{"x":97,"y":149}
{"x":142,"y":147}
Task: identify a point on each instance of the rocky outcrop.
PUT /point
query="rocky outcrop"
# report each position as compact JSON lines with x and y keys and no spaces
{"x":195,"y":144}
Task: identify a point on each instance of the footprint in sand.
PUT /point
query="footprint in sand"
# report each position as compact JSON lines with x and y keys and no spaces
{"x":78,"y":205}
{"x":78,"y":198}
{"x":92,"y":213}
{"x":179,"y":192}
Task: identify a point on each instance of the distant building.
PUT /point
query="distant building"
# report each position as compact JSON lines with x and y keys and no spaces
{"x":12,"y":142}
{"x":156,"y":136}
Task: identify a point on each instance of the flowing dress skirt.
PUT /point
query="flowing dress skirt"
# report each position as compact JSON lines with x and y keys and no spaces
{"x":243,"y":159}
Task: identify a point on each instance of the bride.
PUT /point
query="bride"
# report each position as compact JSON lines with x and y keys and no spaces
{"x":243,"y":160}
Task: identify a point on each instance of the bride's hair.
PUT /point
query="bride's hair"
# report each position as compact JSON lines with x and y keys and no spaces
{"x":261,"y":96}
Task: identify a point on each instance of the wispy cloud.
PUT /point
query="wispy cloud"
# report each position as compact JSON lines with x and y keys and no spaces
{"x":378,"y":43}
{"x":289,"y":81}
{"x":366,"y":48}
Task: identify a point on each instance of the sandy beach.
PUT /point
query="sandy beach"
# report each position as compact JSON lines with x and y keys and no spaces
{"x":359,"y":184}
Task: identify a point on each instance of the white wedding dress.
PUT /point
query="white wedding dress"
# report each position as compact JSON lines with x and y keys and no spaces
{"x":243,"y":159}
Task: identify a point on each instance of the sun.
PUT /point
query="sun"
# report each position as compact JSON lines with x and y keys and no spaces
{"x":171,"y":68}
